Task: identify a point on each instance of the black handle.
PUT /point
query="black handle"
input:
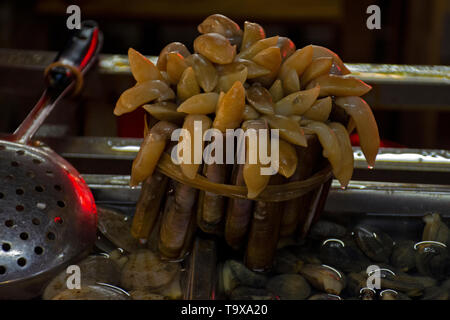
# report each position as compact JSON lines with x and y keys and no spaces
{"x":63,"y":75}
{"x":78,"y":54}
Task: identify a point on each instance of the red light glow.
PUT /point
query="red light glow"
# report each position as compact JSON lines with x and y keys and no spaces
{"x":83,"y":193}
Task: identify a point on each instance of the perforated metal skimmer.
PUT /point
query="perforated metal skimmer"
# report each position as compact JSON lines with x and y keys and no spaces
{"x":47,"y":213}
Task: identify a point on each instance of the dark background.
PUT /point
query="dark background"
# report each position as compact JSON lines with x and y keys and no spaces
{"x":413,"y":32}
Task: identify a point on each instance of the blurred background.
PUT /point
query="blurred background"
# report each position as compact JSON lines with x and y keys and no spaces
{"x":414,"y":32}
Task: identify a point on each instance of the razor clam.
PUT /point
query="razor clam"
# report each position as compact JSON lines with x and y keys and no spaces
{"x":325,"y":229}
{"x":212,"y":207}
{"x":116,"y":227}
{"x":297,"y":208}
{"x":93,"y":292}
{"x":218,"y":23}
{"x":324,"y":278}
{"x":289,"y":287}
{"x":215,"y":47}
{"x":177,"y":220}
{"x":344,"y":255}
{"x":177,"y":47}
{"x":376,"y":244}
{"x":253,"y":32}
{"x":145,"y":270}
{"x":239,"y":213}
{"x":403,"y":255}
{"x":247,"y":293}
{"x":236,"y":274}
{"x":435,"y":229}
{"x":148,"y":205}
{"x":93,"y":269}
{"x":264,"y":233}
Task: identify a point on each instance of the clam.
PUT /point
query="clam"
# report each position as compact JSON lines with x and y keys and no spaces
{"x":324,"y":296}
{"x":357,"y":285}
{"x":289,"y":287}
{"x":286,"y":262}
{"x":141,"y":294}
{"x":172,"y":290}
{"x":324,"y":278}
{"x":145,"y":270}
{"x":236,"y":274}
{"x":390,"y":294}
{"x":367,"y":294}
{"x":119,"y":257}
{"x":344,"y":255}
{"x":247,"y":293}
{"x":306,"y":253}
{"x":116,"y":227}
{"x":376,"y":244}
{"x":436,"y":293}
{"x":403,"y":255}
{"x":325,"y":229}
{"x":93,"y":292}
{"x":412,"y":286}
{"x":446,"y":284}
{"x":93,"y":269}
{"x":433,"y":259}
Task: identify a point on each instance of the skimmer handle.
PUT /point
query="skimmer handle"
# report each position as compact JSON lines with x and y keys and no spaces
{"x":64,"y":75}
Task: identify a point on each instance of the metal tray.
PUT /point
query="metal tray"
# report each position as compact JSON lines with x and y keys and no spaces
{"x":395,"y":207}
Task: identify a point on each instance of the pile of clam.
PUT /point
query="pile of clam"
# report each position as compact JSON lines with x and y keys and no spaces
{"x":337,"y":263}
{"x":118,"y":269}
{"x":241,"y":79}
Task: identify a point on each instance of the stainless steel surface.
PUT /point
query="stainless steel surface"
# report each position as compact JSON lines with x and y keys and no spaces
{"x":390,"y":199}
{"x":400,"y":87}
{"x":379,"y":198}
{"x":201,"y":274}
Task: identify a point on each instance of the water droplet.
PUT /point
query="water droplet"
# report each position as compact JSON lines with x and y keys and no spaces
{"x":343,"y":188}
{"x":371,"y":167}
